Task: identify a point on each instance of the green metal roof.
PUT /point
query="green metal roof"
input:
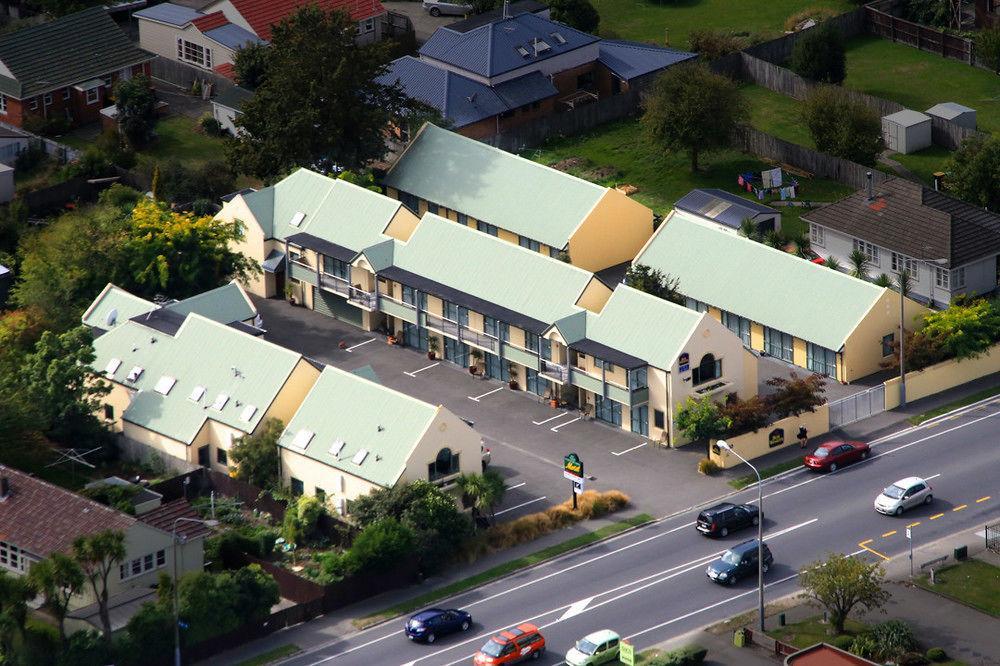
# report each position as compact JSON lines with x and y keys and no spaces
{"x":344,"y":407}
{"x":115,"y":300}
{"x":64,"y":52}
{"x":494,"y":186}
{"x":225,"y":304}
{"x":490,"y":269}
{"x":204,"y":353}
{"x":761,"y":283}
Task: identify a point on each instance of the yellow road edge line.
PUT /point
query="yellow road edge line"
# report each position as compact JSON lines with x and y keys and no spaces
{"x":888,"y":534}
{"x":914,"y":524}
{"x":872,"y":550}
{"x":936,"y":516}
{"x":960,"y":507}
{"x":982,"y":499}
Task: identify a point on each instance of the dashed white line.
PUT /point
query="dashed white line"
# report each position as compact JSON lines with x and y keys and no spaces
{"x":352,"y":348}
{"x":478,"y":397}
{"x":427,"y":367}
{"x":621,"y":453}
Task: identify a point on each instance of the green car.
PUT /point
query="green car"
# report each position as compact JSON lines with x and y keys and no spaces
{"x":600,"y":647}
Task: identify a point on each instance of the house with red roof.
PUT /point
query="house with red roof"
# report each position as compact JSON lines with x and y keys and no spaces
{"x":208,"y":37}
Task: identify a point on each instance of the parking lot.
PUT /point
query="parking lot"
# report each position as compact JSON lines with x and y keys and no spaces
{"x":528,"y":439}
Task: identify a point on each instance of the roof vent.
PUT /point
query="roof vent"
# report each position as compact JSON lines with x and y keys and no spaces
{"x":164,"y":385}
{"x":336,"y":448}
{"x":302,"y":439}
{"x":381,"y":428}
{"x":525,"y":53}
{"x":297,"y":219}
{"x":112,"y":367}
{"x":197,"y":393}
{"x":134,"y":374}
{"x":360,"y":456}
{"x":558,"y":38}
{"x":540,"y":46}
{"x":111,"y":317}
{"x":248,"y":413}
{"x":220,"y":402}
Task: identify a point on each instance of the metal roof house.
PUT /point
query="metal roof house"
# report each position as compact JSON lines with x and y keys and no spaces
{"x":518,"y":200}
{"x":784,"y":306}
{"x":489,"y":76}
{"x":728,"y":210}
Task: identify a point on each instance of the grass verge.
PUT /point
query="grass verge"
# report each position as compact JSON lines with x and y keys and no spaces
{"x":271,"y":656}
{"x":811,"y":631}
{"x":767,"y":472}
{"x":972,"y":582}
{"x":502,"y":570}
{"x":961,"y":402}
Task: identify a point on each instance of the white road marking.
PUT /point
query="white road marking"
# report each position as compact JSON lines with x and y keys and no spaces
{"x":537,"y":499}
{"x":523,"y":483}
{"x":576,"y":608}
{"x":621,"y":453}
{"x":352,"y":348}
{"x":414,"y":373}
{"x":557,"y":416}
{"x":476,"y":398}
{"x":556,"y":429}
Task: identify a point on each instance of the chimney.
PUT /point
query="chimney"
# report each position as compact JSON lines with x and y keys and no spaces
{"x":938,"y":180}
{"x":506,"y":9}
{"x":869,"y":186}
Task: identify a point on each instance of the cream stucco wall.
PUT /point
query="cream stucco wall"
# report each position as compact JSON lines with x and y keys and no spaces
{"x":300,"y":381}
{"x":253,"y":245}
{"x":658,"y":380}
{"x":313,"y":474}
{"x":613,"y":232}
{"x":863,"y":348}
{"x":445,"y":431}
{"x":595,"y":295}
{"x":755,"y":444}
{"x":161,"y":39}
{"x":942,"y":376}
{"x":402,"y":224}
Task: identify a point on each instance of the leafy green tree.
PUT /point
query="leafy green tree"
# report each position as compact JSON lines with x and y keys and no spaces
{"x":936,"y":13}
{"x":859,"y":263}
{"x":339,"y":118}
{"x":819,"y":54}
{"x":135,"y":100}
{"x":747,"y":415}
{"x":254,"y":592}
{"x":973,"y":171}
{"x":13,"y":224}
{"x":484,"y":491}
{"x":481,"y":6}
{"x":256,"y":455}
{"x":841,"y":126}
{"x":988,"y":48}
{"x":382,"y":545}
{"x":964,"y":331}
{"x":58,"y":577}
{"x":98,"y":555}
{"x":251,"y":63}
{"x":15,"y":592}
{"x":57,"y":8}
{"x":653,"y":281}
{"x":793,"y":394}
{"x":702,"y":419}
{"x":180,"y":182}
{"x":149,"y":634}
{"x":692,"y":109}
{"x":842,"y":583}
{"x":301,"y":519}
{"x":579,"y":14}
{"x":365,"y":179}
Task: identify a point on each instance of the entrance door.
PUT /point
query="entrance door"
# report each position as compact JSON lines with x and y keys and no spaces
{"x":640,"y":420}
{"x":496,"y":367}
{"x":414,"y":336}
{"x":203,"y":456}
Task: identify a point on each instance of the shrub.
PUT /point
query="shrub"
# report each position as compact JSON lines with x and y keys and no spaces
{"x":864,"y":646}
{"x":964,"y":331}
{"x":53,"y":126}
{"x":912,"y":659}
{"x":210,"y":125}
{"x":150,"y":635}
{"x":226,"y":547}
{"x":988,"y":48}
{"x":381,"y":545}
{"x":203,"y":207}
{"x":892,"y":639}
{"x":713,"y":44}
{"x":334,"y":566}
{"x":937,"y":654}
{"x":591,"y":504}
{"x":844,"y":642}
{"x":707,"y":466}
{"x":690,"y":655}
{"x":301,"y":519}
{"x":819,"y":55}
{"x":841,"y":126}
{"x":110,"y":143}
{"x":746,"y":415}
{"x":818,"y":14}
{"x":120,"y":196}
{"x":31,"y":157}
{"x":793,"y":395}
{"x":94,"y":163}
{"x":40,"y":644}
{"x":85,"y":648}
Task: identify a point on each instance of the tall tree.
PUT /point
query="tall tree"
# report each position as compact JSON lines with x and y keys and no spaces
{"x":134,"y":100}
{"x":250,"y":63}
{"x":702,"y":419}
{"x":58,"y":577}
{"x":693,"y":109}
{"x":974,"y":172}
{"x":579,"y":14}
{"x":654,"y":281}
{"x":842,"y":583}
{"x":842,"y":126}
{"x":98,"y":554}
{"x":256,"y":455}
{"x":57,"y":8}
{"x":320,"y":104}
{"x":819,"y":54}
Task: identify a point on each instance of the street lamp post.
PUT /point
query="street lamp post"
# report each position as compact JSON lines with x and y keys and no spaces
{"x":760,"y":531}
{"x":177,"y":611}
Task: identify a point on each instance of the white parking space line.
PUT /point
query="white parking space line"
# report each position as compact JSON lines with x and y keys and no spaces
{"x":352,"y":348}
{"x":478,"y":397}
{"x":557,"y":416}
{"x":428,"y":367}
{"x":523,"y":483}
{"x":556,"y":429}
{"x":621,"y":453}
{"x":522,"y":504}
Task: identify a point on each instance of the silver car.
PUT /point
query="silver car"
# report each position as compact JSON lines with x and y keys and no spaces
{"x":439,"y":8}
{"x":904,"y":494}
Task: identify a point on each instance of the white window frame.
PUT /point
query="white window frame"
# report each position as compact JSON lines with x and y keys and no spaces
{"x":93,"y":95}
{"x":817,"y":235}
{"x":366,"y":26}
{"x":137,"y":566}
{"x":901,"y":262}
{"x":12,"y":557}
{"x":196,"y":54}
{"x":33,"y":104}
{"x":65,"y":94}
{"x":869,"y":250}
{"x":958,"y":278}
{"x":47,"y":99}
{"x":942,"y":278}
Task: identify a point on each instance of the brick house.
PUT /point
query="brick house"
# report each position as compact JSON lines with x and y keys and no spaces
{"x":66,"y":67}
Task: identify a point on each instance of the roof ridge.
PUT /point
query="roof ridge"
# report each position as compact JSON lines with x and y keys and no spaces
{"x":353,"y":376}
{"x":233,"y":331}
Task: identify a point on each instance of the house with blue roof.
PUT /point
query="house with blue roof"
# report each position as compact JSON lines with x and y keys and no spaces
{"x":517,"y":68}
{"x":728,"y":211}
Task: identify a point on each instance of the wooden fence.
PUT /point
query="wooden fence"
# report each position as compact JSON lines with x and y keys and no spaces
{"x":202,"y":481}
{"x":882,"y":22}
{"x":779,"y":50}
{"x":184,"y":76}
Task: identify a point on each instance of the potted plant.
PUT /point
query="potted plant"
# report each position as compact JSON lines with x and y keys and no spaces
{"x":512,"y":369}
{"x":477,"y":357}
{"x":290,"y":294}
{"x":391,"y":339}
{"x":342,"y":344}
{"x":433,"y":344}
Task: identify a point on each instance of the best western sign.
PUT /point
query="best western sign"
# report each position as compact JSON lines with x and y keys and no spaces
{"x":573,"y":467}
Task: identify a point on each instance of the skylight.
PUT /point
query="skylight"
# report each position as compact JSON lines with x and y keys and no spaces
{"x":302,"y":439}
{"x":541,"y":46}
{"x":112,"y":367}
{"x":336,"y":448}
{"x":360,"y":456}
{"x":134,"y":374}
{"x":197,"y":393}
{"x":220,"y":402}
{"x":248,"y":413}
{"x":164,"y":384}
{"x":297,"y":219}
{"x":558,"y":38}
{"x":523,"y":51}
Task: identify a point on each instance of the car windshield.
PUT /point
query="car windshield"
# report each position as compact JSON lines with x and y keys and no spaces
{"x":492,"y":648}
{"x":729,"y":557}
{"x":821,"y":453}
{"x":585,"y":646}
{"x":894,"y":492}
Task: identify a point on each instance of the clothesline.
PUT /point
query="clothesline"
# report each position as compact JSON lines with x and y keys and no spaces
{"x":769,"y":183}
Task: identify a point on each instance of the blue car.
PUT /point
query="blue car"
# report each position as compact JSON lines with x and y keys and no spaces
{"x":428,"y":625}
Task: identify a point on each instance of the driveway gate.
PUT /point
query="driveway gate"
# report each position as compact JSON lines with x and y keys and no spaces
{"x":858,"y":406}
{"x":993,"y":537}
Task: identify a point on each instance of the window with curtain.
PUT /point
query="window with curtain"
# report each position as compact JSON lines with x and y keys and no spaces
{"x":336,"y":267}
{"x":638,"y":378}
{"x":533,"y":245}
{"x":778,"y":344}
{"x":531,"y":341}
{"x":738,"y":325}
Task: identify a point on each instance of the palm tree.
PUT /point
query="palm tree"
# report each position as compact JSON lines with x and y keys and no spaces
{"x":58,"y":578}
{"x":749,"y":229}
{"x":831,"y":262}
{"x":97,"y":555}
{"x":860,"y":262}
{"x":904,"y":283}
{"x":883,"y":280}
{"x":485,"y":491}
{"x":774,"y":239}
{"x":15,"y":592}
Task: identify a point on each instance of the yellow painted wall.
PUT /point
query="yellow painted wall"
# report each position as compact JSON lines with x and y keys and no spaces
{"x":863,"y":348}
{"x":392,"y":192}
{"x":613,"y":232}
{"x":253,"y":244}
{"x":516,"y":336}
{"x":799,"y":352}
{"x":657,"y":380}
{"x":942,"y":376}
{"x":505,"y":235}
{"x":446,"y":430}
{"x":435,"y":306}
{"x":475,"y":320}
{"x":756,"y":336}
{"x":755,"y":444}
{"x":293,"y":392}
{"x":161,"y":444}
{"x":751,"y":366}
{"x":119,"y":399}
{"x":595,"y":295}
{"x":715,"y":313}
{"x":314,"y":474}
{"x":402,"y":224}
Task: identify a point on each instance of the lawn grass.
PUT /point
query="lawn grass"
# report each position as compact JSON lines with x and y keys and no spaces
{"x":777,"y":114}
{"x":919,"y":80}
{"x":973,"y":582}
{"x":961,"y":402}
{"x":271,"y":656}
{"x":811,"y":631}
{"x":179,"y":138}
{"x":654,"y":21}
{"x":502,"y":570}
{"x":32,"y":454}
{"x":619,"y":149}
{"x":766,"y":473}
{"x":925,"y":163}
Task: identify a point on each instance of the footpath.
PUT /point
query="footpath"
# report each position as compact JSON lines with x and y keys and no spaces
{"x":340,"y":623}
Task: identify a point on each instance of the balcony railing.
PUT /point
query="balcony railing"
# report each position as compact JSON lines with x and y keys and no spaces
{"x":334,"y":283}
{"x":366,"y":299}
{"x":398,"y":309}
{"x":479,"y":339}
{"x":446,"y":326}
{"x":559,"y":373}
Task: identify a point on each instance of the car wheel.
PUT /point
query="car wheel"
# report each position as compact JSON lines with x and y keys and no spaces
{"x":765,"y":567}
{"x":833,"y":467}
{"x":431,"y":638}
{"x":724,"y":532}
{"x":535,"y":655}
{"x":928,"y":499}
{"x":732,"y":580}
{"x":756,"y":521}
{"x":465,"y":625}
{"x":899,"y":511}
{"x":435,"y":12}
{"x":864,"y":454}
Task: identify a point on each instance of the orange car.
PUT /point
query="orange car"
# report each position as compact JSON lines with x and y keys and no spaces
{"x":512,"y":646}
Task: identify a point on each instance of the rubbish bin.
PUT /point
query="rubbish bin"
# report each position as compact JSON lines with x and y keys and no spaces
{"x":961,"y":553}
{"x":740,"y":638}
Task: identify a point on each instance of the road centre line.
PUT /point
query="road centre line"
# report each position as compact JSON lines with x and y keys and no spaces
{"x":556,"y":429}
{"x":553,"y":418}
{"x":864,"y":544}
{"x":621,"y":453}
{"x":537,"y":499}
{"x":428,"y":367}
{"x":960,"y":507}
{"x":914,"y":524}
{"x":982,"y":499}
{"x":352,"y":348}
{"x":936,"y":516}
{"x":888,"y":534}
{"x":478,"y":397}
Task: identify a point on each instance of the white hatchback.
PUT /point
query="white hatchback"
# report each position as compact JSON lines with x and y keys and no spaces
{"x":904,"y":494}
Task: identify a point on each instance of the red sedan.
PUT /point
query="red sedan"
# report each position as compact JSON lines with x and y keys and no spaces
{"x":831,"y":456}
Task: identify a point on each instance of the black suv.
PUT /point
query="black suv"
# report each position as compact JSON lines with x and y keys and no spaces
{"x":724,"y":518}
{"x":737,"y":562}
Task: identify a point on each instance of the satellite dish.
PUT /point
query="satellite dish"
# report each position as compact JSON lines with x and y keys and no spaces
{"x":111,"y":317}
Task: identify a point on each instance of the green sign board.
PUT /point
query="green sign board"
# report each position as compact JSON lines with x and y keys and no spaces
{"x":627,"y":653}
{"x":572,"y":467}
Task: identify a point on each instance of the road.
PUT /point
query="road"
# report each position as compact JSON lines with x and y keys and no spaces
{"x":650,"y":584}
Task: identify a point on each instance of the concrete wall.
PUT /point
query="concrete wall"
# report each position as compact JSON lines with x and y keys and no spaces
{"x":755,"y":444}
{"x":613,"y":232}
{"x":862,"y":354}
{"x":942,"y":376}
{"x":253,"y":243}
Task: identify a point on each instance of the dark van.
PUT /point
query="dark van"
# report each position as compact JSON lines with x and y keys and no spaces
{"x":724,"y":518}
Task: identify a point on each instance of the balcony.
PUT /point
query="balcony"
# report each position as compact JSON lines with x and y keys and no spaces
{"x":446,"y":326}
{"x":479,"y":339}
{"x":398,"y":309}
{"x":300,"y":271}
{"x":555,"y":372}
{"x":587,"y":382}
{"x":365,"y":299}
{"x":521,"y":356}
{"x":334,"y":283}
{"x":618,"y":393}
{"x":640,"y":396}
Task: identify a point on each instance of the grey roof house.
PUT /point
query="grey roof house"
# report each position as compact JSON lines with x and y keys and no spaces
{"x":728,"y":210}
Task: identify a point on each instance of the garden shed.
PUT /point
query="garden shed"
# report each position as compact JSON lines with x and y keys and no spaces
{"x":906,"y":131}
{"x":954,"y":112}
